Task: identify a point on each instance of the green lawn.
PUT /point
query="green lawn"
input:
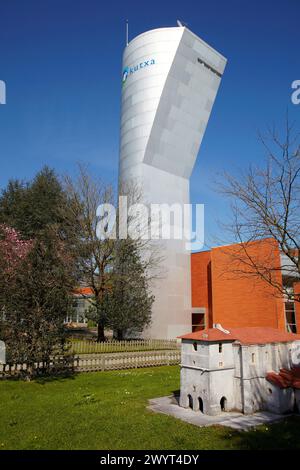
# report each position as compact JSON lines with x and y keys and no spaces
{"x":107,"y":410}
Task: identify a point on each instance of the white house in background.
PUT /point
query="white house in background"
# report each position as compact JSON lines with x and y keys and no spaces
{"x":244,"y":369}
{"x":81,"y":304}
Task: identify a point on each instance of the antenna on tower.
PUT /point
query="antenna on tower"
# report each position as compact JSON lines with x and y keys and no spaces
{"x":181,"y":24}
{"x":127,"y":32}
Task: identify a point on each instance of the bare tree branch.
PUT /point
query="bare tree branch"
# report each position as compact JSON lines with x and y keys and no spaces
{"x":265,"y":203}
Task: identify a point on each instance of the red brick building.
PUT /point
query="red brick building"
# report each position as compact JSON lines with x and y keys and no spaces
{"x":225,"y":290}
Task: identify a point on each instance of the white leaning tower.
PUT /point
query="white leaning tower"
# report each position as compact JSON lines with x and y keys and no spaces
{"x":169,"y":84}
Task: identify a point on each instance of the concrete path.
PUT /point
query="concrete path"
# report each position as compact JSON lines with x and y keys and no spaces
{"x":169,"y":406}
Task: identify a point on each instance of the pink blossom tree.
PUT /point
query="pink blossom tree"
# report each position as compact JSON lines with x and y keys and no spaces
{"x":13,"y":250}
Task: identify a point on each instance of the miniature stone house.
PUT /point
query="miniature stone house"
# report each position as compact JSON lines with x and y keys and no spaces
{"x":240,"y":370}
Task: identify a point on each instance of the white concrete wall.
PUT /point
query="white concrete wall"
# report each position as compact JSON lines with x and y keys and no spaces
{"x":223,"y":359}
{"x":208,"y":374}
{"x":275,"y":399}
{"x":210,"y":387}
{"x":240,"y":380}
{"x":221,"y":385}
{"x":256,"y":392}
{"x":191,"y":357}
{"x":207,"y":355}
{"x":294,"y":352}
{"x":196,"y":385}
{"x":165,"y":110}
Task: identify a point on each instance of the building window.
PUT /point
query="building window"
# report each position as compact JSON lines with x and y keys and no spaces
{"x":290,"y":317}
{"x":209,"y":67}
{"x":198,"y":321}
{"x":253,"y":358}
{"x":195,"y":345}
{"x":220,"y":364}
{"x":220,"y":347}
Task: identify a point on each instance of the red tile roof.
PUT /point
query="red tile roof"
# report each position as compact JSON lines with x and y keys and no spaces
{"x":209,"y":334}
{"x":246,"y":336}
{"x":286,"y":378}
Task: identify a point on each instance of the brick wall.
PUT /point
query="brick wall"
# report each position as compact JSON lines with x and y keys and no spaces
{"x":201,"y":283}
{"x":237,"y":299}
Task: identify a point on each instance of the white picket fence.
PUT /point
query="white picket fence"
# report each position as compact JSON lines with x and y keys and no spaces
{"x":87,"y":363}
{"x":99,"y":362}
{"x":92,"y":347}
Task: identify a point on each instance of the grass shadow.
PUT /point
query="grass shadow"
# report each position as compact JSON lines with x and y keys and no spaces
{"x":175,"y":397}
{"x":56,"y":377}
{"x":277,"y":436}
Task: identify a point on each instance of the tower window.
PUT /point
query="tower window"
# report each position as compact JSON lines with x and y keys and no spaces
{"x":253,"y":358}
{"x":198,"y":321}
{"x":220,"y":347}
{"x":209,"y":67}
{"x":195,"y":345}
{"x":290,"y":317}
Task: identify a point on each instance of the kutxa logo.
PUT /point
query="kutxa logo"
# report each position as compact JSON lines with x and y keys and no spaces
{"x":296,"y":93}
{"x":130,"y":70}
{"x":2,"y":92}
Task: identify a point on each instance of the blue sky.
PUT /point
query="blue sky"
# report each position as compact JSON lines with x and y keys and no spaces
{"x":61,"y":61}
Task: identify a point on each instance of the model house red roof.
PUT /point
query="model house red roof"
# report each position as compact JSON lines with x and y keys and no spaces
{"x":246,"y":336}
{"x":209,"y":334}
{"x":83,"y":291}
{"x":286,"y":378}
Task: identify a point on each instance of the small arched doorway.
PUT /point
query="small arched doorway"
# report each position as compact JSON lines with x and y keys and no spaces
{"x":223,"y":404}
{"x":200,"y":404}
{"x":190,"y":398}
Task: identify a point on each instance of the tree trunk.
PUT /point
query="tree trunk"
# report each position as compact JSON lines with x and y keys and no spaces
{"x":120,"y":336}
{"x":101,"y":335}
